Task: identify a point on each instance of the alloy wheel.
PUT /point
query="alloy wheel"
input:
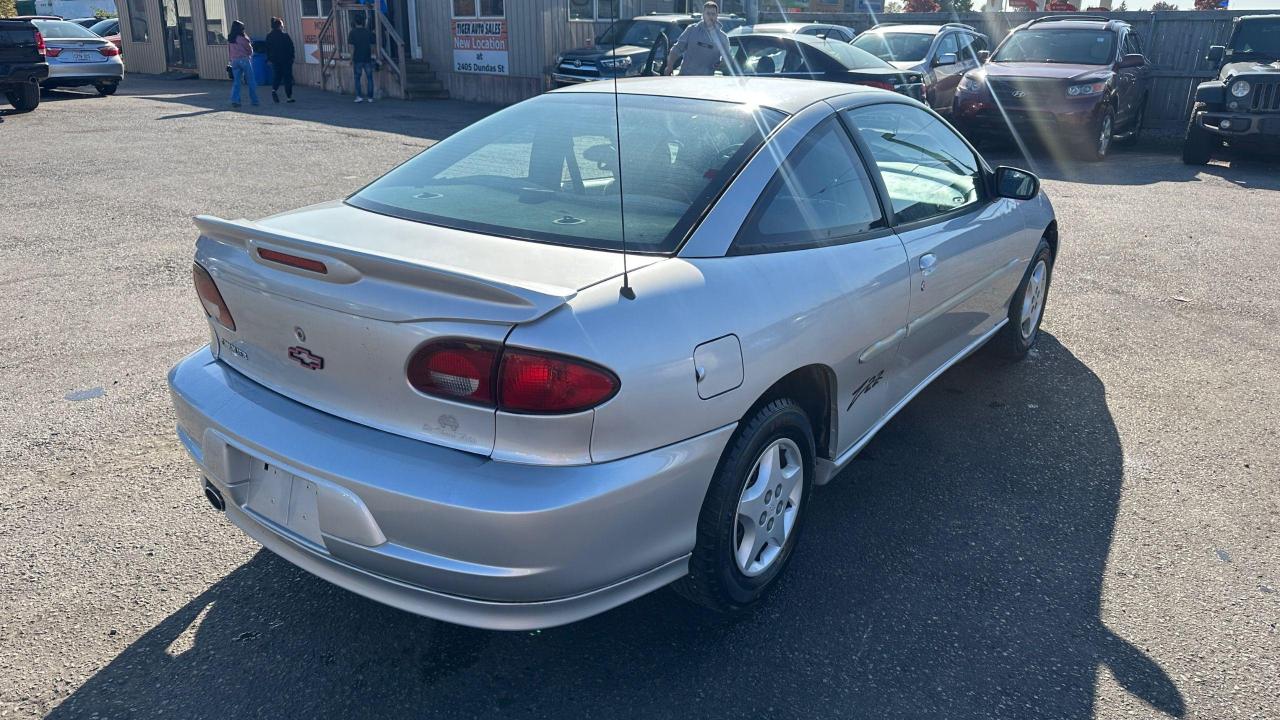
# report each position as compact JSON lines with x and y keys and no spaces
{"x":1033,"y":299}
{"x":768,"y":507}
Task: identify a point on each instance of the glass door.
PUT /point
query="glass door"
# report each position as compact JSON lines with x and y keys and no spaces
{"x":179,"y":34}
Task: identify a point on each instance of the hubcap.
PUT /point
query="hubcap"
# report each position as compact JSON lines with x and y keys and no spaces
{"x":1033,"y":299}
{"x":768,"y":507}
{"x":1104,"y":137}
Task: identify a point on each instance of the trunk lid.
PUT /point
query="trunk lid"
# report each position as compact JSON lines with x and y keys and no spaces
{"x":339,"y":340}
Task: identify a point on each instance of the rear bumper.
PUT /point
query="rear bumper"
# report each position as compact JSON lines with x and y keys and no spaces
{"x":72,"y":74}
{"x":440,"y":532}
{"x":22,"y":73}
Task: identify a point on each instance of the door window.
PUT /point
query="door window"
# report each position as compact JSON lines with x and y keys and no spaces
{"x":948,"y":45}
{"x":1131,"y":44}
{"x":928,"y":170}
{"x":970,"y":45}
{"x":820,"y":196}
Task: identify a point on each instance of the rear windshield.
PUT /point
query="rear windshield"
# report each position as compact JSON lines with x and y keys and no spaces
{"x":62,"y":29}
{"x":547,"y":170}
{"x":895,"y":47}
{"x":850,"y":56}
{"x":1075,"y":47}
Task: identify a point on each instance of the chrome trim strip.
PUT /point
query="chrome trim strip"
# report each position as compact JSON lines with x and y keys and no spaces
{"x":827,"y":470}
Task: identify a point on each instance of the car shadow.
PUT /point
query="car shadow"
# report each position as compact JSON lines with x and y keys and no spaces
{"x":426,"y":119}
{"x":1149,"y":161}
{"x":954,"y":570}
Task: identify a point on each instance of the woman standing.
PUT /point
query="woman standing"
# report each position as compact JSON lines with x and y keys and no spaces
{"x":280,"y":55}
{"x":240,"y":52}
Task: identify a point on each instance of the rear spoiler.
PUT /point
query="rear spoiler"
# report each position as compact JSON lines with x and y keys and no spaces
{"x":458,"y":294}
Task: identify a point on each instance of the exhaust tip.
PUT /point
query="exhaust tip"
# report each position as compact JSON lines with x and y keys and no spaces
{"x":214,"y":497}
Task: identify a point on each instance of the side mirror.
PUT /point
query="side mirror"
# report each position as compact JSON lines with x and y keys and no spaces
{"x":947,"y":59}
{"x":1132,"y":60}
{"x":1216,"y":53}
{"x":1016,"y":184}
{"x":984,"y":55}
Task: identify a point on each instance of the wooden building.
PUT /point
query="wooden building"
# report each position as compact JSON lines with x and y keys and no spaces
{"x":498,"y":51}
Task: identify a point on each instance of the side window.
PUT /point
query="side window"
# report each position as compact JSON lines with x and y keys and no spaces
{"x":928,"y":170}
{"x":948,"y":44}
{"x":1131,"y":44}
{"x":979,"y":44}
{"x":820,"y":196}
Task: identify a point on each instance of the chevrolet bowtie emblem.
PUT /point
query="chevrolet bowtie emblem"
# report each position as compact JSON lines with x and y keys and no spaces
{"x":306,"y":358}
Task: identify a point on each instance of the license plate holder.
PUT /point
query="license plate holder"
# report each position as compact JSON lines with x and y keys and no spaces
{"x":286,"y":500}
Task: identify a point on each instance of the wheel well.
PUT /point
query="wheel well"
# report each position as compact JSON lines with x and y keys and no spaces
{"x":813,"y":387}
{"x":1051,"y":235}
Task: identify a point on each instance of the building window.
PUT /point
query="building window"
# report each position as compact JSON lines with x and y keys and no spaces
{"x":138,"y":21}
{"x":215,"y":22}
{"x":316,"y":8}
{"x":593,"y":10}
{"x":479,"y":8}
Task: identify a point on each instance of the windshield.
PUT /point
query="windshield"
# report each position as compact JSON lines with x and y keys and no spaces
{"x":632,"y":32}
{"x":1074,"y":47}
{"x":62,"y":29}
{"x":850,"y":56}
{"x":547,"y":170}
{"x":106,"y":27}
{"x":895,"y":47}
{"x":1262,"y":38}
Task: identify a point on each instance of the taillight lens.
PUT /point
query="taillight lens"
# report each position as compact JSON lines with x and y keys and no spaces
{"x":536,"y":383}
{"x":297,"y":261}
{"x":52,"y":52}
{"x":455,"y":370}
{"x":210,"y":298}
{"x":109,"y":50}
{"x":876,"y":84}
{"x":40,"y":46}
{"x":513,"y":380}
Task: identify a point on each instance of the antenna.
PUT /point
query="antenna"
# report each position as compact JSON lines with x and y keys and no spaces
{"x":626,"y":290}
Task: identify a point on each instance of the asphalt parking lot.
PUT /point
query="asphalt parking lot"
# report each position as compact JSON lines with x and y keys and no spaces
{"x":1092,"y":533}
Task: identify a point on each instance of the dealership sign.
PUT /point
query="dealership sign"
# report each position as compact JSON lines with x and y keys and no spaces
{"x":480,"y":46}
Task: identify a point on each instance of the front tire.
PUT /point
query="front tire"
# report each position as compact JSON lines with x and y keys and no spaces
{"x":25,"y":98}
{"x":1099,"y":147}
{"x":754,"y":509}
{"x":1198,"y":144}
{"x":1026,"y":309}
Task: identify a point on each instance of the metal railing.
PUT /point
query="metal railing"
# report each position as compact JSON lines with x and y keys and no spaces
{"x":389,"y":46}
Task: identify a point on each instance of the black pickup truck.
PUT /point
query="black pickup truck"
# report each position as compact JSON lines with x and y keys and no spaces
{"x":22,"y":64}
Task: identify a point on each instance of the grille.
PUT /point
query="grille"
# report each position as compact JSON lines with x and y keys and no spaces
{"x":1026,"y":92}
{"x":588,"y":69}
{"x":1265,"y":97}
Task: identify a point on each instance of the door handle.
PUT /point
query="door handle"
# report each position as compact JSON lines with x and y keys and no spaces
{"x":928,"y":263}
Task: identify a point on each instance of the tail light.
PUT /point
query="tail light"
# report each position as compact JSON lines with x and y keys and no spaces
{"x":40,"y":46}
{"x":109,"y":51}
{"x":210,"y":298}
{"x":509,"y":379}
{"x":52,"y":51}
{"x":296,"y":261}
{"x":876,"y":84}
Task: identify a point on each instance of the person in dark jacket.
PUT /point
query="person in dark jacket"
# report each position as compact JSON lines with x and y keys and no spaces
{"x":280,"y":55}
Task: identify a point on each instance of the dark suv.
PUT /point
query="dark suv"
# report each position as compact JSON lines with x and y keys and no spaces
{"x":22,"y":64}
{"x":638,"y":46}
{"x":1080,"y":80}
{"x":1241,"y":106}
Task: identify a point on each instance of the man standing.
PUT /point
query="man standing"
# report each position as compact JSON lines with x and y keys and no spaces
{"x":702,"y":45}
{"x":361,"y":41}
{"x":280,"y":55}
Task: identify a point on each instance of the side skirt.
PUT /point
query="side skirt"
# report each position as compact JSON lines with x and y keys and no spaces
{"x":828,"y":469}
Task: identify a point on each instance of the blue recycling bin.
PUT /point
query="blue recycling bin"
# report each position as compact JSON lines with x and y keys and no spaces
{"x":261,"y":68}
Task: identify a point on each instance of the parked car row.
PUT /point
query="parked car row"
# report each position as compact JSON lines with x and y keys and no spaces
{"x":49,"y":52}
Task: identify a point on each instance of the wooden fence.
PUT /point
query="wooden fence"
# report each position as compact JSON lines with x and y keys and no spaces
{"x":1175,"y":43}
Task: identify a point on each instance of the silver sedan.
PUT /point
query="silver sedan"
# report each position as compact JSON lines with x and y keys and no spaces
{"x":78,"y":57}
{"x":564,"y":358}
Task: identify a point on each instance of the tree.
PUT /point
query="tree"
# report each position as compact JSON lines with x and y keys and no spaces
{"x":955,"y":6}
{"x":1206,"y":4}
{"x":1122,"y":7}
{"x":1162,"y":6}
{"x":8,"y":8}
{"x":894,"y":6}
{"x":919,"y":6}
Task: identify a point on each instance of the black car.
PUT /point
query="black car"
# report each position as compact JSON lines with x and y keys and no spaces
{"x":810,"y":58}
{"x":1241,"y":106}
{"x":22,"y":64}
{"x":627,"y":48}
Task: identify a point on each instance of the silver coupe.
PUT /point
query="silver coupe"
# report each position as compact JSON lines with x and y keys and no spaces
{"x":454,"y":392}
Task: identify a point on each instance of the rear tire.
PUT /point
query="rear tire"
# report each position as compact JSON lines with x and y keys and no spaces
{"x":1198,"y":144}
{"x":1026,"y":309}
{"x":726,"y":571}
{"x":24,"y":99}
{"x":106,"y":89}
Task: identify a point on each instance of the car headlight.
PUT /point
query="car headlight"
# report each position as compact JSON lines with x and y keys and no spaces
{"x":616,"y":63}
{"x":970,"y":84}
{"x":1095,"y":88}
{"x":1241,"y":88}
